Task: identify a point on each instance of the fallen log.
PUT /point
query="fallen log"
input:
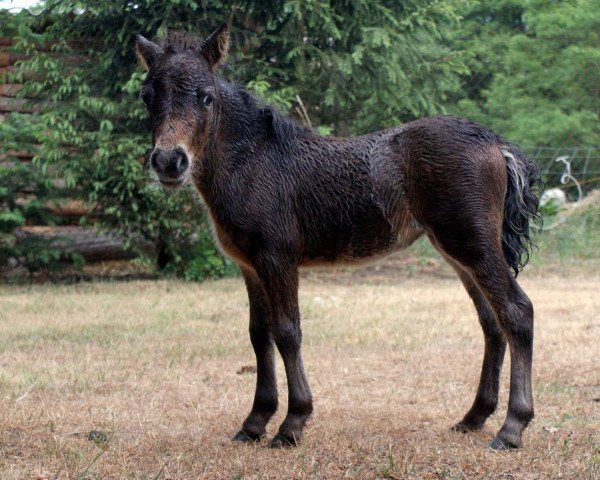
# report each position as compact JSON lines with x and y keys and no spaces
{"x":19,"y":105}
{"x":10,"y":89}
{"x":69,"y":208}
{"x":92,"y":244}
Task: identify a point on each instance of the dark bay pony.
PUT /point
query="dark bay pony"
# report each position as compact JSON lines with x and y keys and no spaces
{"x":280,"y":197}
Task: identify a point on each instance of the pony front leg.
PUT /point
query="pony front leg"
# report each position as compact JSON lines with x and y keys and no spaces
{"x":265,"y":396}
{"x":281,"y":283}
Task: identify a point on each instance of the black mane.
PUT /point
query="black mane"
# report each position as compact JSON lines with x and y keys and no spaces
{"x":282,"y":126}
{"x":252,"y":113}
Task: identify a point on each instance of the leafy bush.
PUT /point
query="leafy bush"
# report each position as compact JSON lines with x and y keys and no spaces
{"x":91,"y":136}
{"x":205,"y":261}
{"x":17,"y":210}
{"x":25,"y":190}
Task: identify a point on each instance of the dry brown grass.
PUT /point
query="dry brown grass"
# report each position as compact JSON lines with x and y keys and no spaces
{"x":393,"y":363}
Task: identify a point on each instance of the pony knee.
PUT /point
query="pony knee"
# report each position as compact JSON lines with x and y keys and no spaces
{"x":288,"y":337}
{"x":260,"y":337}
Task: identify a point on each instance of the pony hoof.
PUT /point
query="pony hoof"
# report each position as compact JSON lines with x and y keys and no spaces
{"x":499,"y":444}
{"x":465,"y":427}
{"x":281,"y":441}
{"x":460,"y":427}
{"x":246,"y":437}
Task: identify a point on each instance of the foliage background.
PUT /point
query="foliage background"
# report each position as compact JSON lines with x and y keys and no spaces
{"x":527,"y":68}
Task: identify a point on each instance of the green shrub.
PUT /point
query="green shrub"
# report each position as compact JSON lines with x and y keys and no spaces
{"x":205,"y":261}
{"x":18,"y":210}
{"x":25,"y":188}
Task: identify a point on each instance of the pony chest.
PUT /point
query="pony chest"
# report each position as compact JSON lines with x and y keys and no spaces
{"x":227,"y":244}
{"x":220,"y":217}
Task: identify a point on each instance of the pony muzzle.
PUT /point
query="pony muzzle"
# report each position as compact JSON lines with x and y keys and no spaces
{"x":171,"y":166}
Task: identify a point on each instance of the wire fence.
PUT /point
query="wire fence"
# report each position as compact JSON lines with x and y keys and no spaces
{"x":583,"y":162}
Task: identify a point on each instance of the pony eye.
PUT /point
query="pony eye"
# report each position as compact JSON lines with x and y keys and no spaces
{"x":146,"y":96}
{"x":207,"y":100}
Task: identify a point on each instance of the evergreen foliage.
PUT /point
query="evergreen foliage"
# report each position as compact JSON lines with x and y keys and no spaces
{"x":535,"y":70}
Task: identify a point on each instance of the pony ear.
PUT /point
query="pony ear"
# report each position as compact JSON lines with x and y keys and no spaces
{"x":146,"y":51}
{"x":215,"y":47}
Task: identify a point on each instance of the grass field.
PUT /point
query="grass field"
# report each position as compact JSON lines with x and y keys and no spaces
{"x":158,"y":368}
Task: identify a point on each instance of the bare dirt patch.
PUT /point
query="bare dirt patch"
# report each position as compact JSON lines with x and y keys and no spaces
{"x":157,"y":371}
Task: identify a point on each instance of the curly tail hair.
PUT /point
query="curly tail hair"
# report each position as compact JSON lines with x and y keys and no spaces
{"x":525,"y":186}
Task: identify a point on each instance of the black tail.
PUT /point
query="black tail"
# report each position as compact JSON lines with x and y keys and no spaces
{"x":525,"y":186}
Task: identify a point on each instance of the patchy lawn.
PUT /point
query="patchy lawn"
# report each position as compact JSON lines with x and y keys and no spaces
{"x":156,"y":371}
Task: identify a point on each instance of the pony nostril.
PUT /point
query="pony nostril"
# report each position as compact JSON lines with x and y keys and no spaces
{"x":160,"y":161}
{"x":183,"y":163}
{"x":154,"y":161}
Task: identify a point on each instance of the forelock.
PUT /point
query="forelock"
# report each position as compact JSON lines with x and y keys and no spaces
{"x":179,"y":41}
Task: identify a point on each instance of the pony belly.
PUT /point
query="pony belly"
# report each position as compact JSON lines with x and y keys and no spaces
{"x":366,"y":246}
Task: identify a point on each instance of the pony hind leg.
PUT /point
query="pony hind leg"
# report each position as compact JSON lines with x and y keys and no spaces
{"x":515,"y":315}
{"x":486,"y":399}
{"x":459,"y":196}
{"x":514,"y":311}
